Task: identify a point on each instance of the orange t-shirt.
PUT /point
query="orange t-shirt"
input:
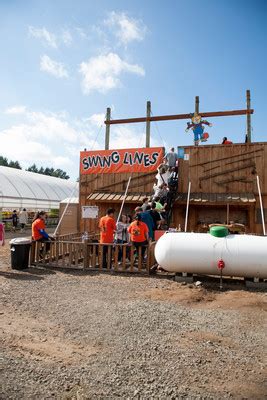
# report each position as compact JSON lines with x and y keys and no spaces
{"x":36,"y":226}
{"x":107,"y":227}
{"x":138,"y":232}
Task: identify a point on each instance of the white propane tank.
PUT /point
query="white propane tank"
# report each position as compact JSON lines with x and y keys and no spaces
{"x":199,"y":253}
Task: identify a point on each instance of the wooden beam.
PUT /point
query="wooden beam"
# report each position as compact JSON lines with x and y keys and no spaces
{"x":248,"y":118}
{"x":125,"y":180}
{"x":148,"y":115}
{"x":241,"y":179}
{"x":227,"y":171}
{"x":178,"y":116}
{"x":231,"y":162}
{"x":108,"y":115}
{"x":197,"y":105}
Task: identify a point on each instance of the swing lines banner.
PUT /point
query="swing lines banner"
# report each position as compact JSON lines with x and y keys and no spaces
{"x":117,"y":161}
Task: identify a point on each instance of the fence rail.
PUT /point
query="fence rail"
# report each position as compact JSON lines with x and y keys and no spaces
{"x":77,"y":237}
{"x":91,"y":255}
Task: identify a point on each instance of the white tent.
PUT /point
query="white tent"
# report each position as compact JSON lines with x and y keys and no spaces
{"x":19,"y":189}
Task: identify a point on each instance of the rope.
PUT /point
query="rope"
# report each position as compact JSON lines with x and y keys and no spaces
{"x":98,"y":132}
{"x":156,"y":124}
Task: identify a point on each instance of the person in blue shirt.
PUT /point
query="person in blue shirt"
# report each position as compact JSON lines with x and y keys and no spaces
{"x":147,"y":219}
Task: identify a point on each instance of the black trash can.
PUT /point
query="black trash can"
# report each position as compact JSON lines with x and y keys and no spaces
{"x":20,"y":250}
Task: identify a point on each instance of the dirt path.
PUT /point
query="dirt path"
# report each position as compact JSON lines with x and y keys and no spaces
{"x":75,"y":335}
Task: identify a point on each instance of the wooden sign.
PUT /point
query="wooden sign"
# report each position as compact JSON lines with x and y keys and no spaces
{"x":126,"y":160}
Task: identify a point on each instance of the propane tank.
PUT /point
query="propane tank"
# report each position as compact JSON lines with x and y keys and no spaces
{"x":206,"y":253}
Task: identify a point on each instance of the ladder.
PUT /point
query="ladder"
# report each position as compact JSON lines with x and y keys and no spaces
{"x":172,"y":194}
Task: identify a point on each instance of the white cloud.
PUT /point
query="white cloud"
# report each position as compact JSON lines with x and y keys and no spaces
{"x":126,"y":137}
{"x":96,"y":119}
{"x":16,"y":110}
{"x":102,"y":73}
{"x":67,"y":37}
{"x":126,"y":29}
{"x":44,"y":35}
{"x":52,"y":67}
{"x":55,"y":139}
{"x":47,"y":138}
{"x":81,"y":33}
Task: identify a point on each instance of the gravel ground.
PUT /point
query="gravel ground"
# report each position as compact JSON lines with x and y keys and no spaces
{"x":78,"y":335}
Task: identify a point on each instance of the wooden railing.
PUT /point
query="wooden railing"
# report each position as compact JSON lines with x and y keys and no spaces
{"x":77,"y":237}
{"x":90,"y":255}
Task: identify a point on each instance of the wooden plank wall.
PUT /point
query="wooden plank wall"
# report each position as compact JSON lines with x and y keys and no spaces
{"x":111,"y":183}
{"x":209,"y":167}
{"x":224,"y":169}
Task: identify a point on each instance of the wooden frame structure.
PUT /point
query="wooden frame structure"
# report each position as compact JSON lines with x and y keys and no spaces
{"x":148,"y":119}
{"x":223,"y":178}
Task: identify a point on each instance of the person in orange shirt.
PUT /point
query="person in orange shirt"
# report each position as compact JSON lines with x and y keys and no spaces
{"x":226,"y":141}
{"x":107,"y":226}
{"x":38,"y":230}
{"x":139,"y":234}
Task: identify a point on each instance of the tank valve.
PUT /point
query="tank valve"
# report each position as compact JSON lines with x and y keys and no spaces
{"x":221,"y":266}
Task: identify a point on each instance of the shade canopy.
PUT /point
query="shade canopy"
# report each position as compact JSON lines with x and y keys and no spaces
{"x":23,"y":189}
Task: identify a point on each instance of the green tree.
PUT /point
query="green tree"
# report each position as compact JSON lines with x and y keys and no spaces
{"x":33,"y":168}
{"x":3,"y":161}
{"x":59,"y":173}
{"x":12,"y":164}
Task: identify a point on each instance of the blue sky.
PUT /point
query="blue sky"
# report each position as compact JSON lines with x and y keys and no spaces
{"x":64,"y":62}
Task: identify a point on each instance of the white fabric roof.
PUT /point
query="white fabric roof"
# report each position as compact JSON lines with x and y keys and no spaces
{"x":19,"y":189}
{"x":71,"y":200}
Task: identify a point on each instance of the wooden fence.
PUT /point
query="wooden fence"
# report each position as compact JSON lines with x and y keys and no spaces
{"x":90,"y":255}
{"x":77,"y":237}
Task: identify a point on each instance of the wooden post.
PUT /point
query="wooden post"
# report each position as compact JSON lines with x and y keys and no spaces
{"x":57,"y":248}
{"x":197,"y":105}
{"x":132,"y":258}
{"x":227,"y":214}
{"x":148,"y":115}
{"x":86,"y":254}
{"x":107,"y":128}
{"x":32,"y":254}
{"x":248,"y":118}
